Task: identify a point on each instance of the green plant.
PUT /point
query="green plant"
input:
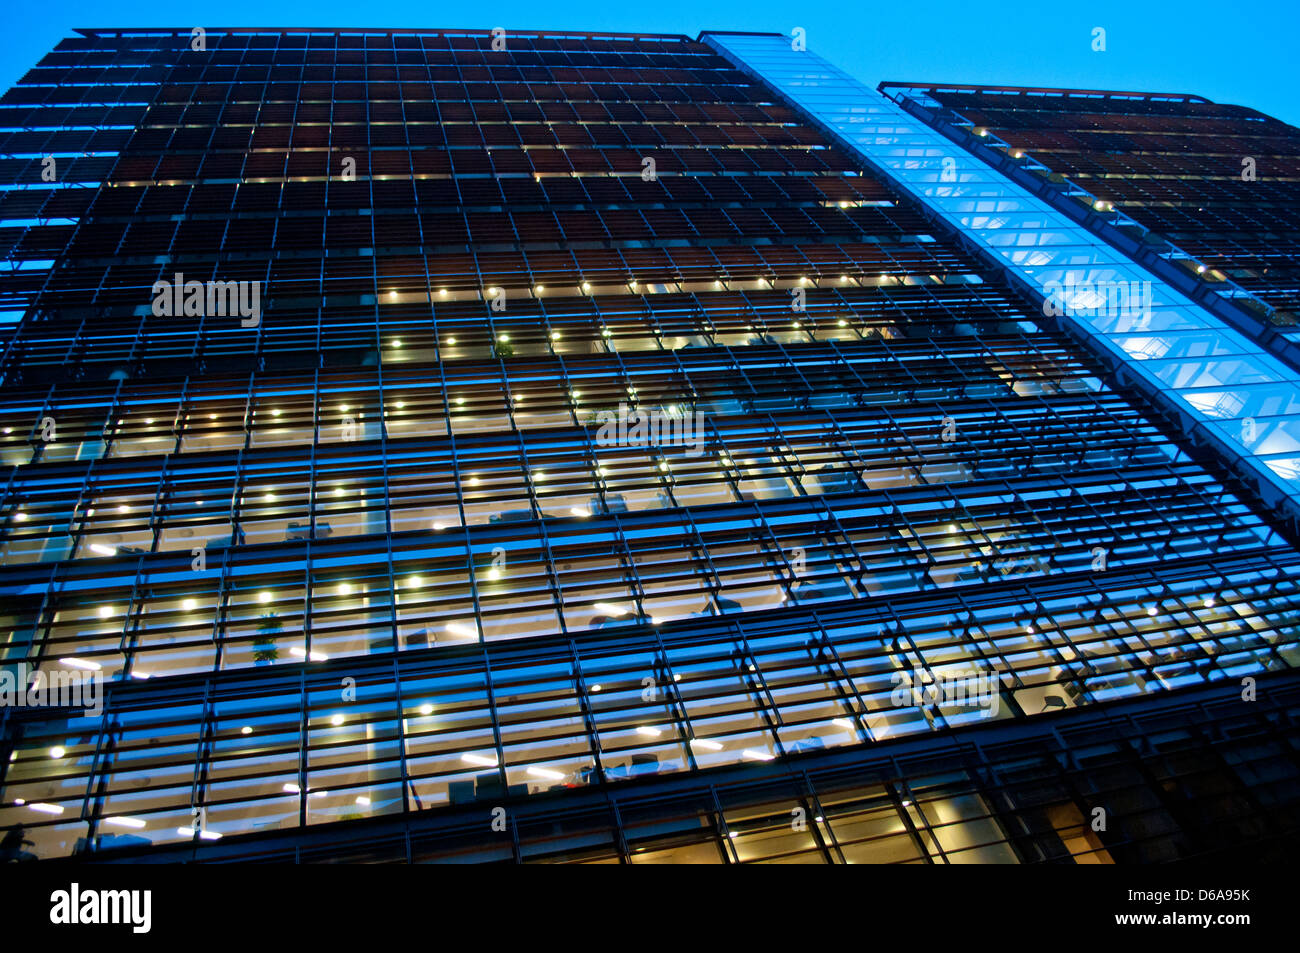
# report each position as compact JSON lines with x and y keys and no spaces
{"x":264,"y":647}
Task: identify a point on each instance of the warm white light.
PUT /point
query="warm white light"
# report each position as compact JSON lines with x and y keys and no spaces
{"x":132,"y":822}
{"x":604,"y":608}
{"x":482,"y":761}
{"x":1208,"y":603}
{"x":290,"y":789}
{"x":595,"y":688}
{"x":705,"y":744}
{"x":345,"y":589}
{"x":648,"y":731}
{"x":56,"y":752}
{"x":579,"y":511}
{"x":336,"y":720}
{"x":451,"y":340}
{"x":263,"y":597}
{"x":757,"y":755}
{"x":363,"y":801}
{"x":103,"y":550}
{"x":462,"y":630}
{"x":105,"y":611}
{"x":46,"y":808}
{"x":246,"y":730}
{"x":546,"y":773}
{"x":84,"y":664}
{"x":426,"y":709}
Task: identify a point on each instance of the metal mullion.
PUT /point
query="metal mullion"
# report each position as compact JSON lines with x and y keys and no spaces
{"x":838,"y":674}
{"x":494,"y":717}
{"x":774,"y":719}
{"x":826,"y":840}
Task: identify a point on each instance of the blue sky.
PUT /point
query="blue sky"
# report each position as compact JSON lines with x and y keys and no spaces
{"x":1244,"y":53}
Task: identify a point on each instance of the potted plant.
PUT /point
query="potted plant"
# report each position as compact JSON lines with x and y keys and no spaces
{"x":264,"y":648}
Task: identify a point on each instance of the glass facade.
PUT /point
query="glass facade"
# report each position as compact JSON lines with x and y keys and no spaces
{"x":1238,"y":394}
{"x":1219,"y":181}
{"x":391,"y":552}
